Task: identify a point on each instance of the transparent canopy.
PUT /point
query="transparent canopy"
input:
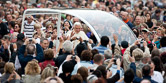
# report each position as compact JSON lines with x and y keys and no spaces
{"x":100,"y":23}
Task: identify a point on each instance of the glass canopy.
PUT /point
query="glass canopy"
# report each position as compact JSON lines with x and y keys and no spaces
{"x":101,"y":23}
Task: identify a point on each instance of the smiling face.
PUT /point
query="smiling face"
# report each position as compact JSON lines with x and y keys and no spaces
{"x":77,"y":28}
{"x":16,"y":28}
{"x":66,"y":24}
{"x":50,"y":28}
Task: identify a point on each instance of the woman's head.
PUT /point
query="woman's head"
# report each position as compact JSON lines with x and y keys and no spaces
{"x":37,"y":26}
{"x":83,"y":71}
{"x":103,"y":70}
{"x":86,"y":55}
{"x":48,"y":54}
{"x":49,"y":27}
{"x":17,"y":28}
{"x":47,"y":72}
{"x":67,"y":24}
{"x":32,"y":68}
{"x":148,"y":16}
{"x":160,"y":32}
{"x":9,"y":67}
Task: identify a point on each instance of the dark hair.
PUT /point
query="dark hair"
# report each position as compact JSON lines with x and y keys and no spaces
{"x":133,"y":48}
{"x":34,"y":4}
{"x":157,"y":62}
{"x":48,"y":54}
{"x":164,"y":12}
{"x":12,"y":23}
{"x":162,"y":42}
{"x":146,"y":70}
{"x":67,"y":67}
{"x":86,"y":55}
{"x":77,"y":78}
{"x":97,"y":73}
{"x":97,"y":58}
{"x":80,"y":48}
{"x":69,"y":24}
{"x":1,"y":13}
{"x":124,"y":44}
{"x":157,"y":11}
{"x":20,"y":36}
{"x":83,"y":71}
{"x":155,"y":52}
{"x":103,"y":70}
{"x":104,"y":40}
{"x":94,"y":52}
{"x":129,"y":76}
{"x":31,"y":49}
{"x":163,"y":57}
{"x":136,"y":32}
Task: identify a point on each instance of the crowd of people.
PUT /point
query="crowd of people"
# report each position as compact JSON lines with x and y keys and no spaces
{"x":41,"y":55}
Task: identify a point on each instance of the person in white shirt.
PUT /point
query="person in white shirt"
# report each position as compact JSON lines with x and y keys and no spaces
{"x":76,"y":33}
{"x":29,"y":27}
{"x":155,"y":75}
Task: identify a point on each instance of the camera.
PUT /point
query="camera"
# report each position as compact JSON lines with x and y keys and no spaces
{"x":159,"y":38}
{"x":141,"y":43}
{"x":114,"y":61}
{"x":77,"y":38}
{"x":92,"y":70}
{"x":30,"y":40}
{"x":51,"y":32}
{"x":73,"y":57}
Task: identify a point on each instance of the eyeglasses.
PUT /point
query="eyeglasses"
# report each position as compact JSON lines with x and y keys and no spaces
{"x":52,"y":79}
{"x":16,"y":27}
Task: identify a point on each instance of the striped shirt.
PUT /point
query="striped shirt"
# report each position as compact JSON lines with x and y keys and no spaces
{"x":29,"y":29}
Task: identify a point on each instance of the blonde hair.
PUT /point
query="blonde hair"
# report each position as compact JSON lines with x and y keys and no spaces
{"x":47,"y":72}
{"x":162,"y":31}
{"x":32,"y":68}
{"x":9,"y":67}
{"x":48,"y":24}
{"x":37,"y":26}
{"x":138,"y":54}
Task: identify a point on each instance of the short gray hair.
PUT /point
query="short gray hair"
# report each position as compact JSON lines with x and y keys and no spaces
{"x":78,"y":24}
{"x":68,"y":46}
{"x":108,"y":54}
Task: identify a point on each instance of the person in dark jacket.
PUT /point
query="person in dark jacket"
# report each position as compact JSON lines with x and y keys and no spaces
{"x":67,"y":49}
{"x":114,"y":78}
{"x":3,"y":26}
{"x":67,"y":68}
{"x":30,"y":53}
{"x":145,"y":71}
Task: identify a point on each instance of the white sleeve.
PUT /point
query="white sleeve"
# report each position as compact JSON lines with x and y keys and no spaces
{"x":60,"y":69}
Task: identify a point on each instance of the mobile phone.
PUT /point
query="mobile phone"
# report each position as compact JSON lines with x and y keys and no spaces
{"x":73,"y":57}
{"x":92,"y":70}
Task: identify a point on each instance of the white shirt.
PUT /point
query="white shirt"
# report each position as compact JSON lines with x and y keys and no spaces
{"x":78,"y":35}
{"x":29,"y":29}
{"x":157,"y":77}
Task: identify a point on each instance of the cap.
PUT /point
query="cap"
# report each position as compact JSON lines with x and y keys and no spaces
{"x":145,"y":30}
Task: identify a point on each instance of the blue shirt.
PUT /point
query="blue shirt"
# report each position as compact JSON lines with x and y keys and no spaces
{"x":101,"y":49}
{"x":82,"y":63}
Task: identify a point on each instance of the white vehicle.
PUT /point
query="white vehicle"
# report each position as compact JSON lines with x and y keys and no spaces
{"x":100,"y":23}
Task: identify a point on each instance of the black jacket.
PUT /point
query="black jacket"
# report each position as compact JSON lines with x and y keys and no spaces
{"x":3,"y":29}
{"x":59,"y":60}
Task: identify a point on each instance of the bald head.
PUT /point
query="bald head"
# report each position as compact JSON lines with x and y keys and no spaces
{"x":75,"y":19}
{"x":145,"y":81}
{"x":124,"y":15}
